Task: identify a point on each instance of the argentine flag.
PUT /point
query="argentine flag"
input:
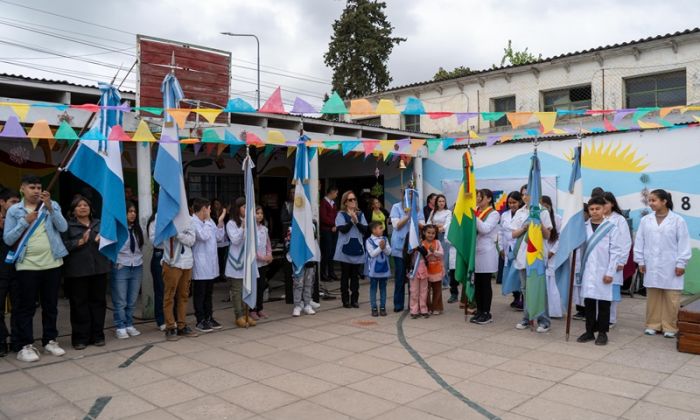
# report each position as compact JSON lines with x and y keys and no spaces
{"x":250,"y":262}
{"x":98,"y":163}
{"x":302,"y":246}
{"x":411,"y":201}
{"x":573,"y":231}
{"x":173,"y":214}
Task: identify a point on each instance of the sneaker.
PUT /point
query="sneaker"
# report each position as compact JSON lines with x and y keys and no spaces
{"x":263,"y":315}
{"x":518,"y":306}
{"x":382,"y":312}
{"x":375,"y":312}
{"x":669,"y":334}
{"x":171,"y":334}
{"x":585,"y":337}
{"x":53,"y":348}
{"x":414,"y":316}
{"x":452,"y":299}
{"x":215,"y":325}
{"x":612,"y":325}
{"x":161,"y":327}
{"x":254,"y":315}
{"x":522,"y":325}
{"x":313,"y":304}
{"x":121,"y":333}
{"x":602,"y":339}
{"x":132,"y":331}
{"x":579,"y":316}
{"x":436,"y":312}
{"x":485,"y":319}
{"x":28,"y":354}
{"x":308,"y":310}
{"x":650,"y":331}
{"x":296,"y":311}
{"x":187,"y":332}
{"x":79,"y":346}
{"x":542,"y":328}
{"x":426,"y":315}
{"x":203,"y":326}
{"x":475,"y":318}
{"x":99,"y":342}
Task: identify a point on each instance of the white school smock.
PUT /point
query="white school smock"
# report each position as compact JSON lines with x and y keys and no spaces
{"x":624,"y":240}
{"x":661,"y":249}
{"x":486,"y":258}
{"x":602,"y":261}
{"x":505,"y":233}
{"x":518,"y":222}
{"x":234,"y":259}
{"x":205,"y":266}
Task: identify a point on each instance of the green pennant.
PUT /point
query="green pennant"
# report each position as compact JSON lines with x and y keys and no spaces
{"x":65,"y":132}
{"x":433,"y":145}
{"x":492,"y":116}
{"x":183,"y":146}
{"x":209,"y":136}
{"x":233,"y":149}
{"x":150,"y":109}
{"x":334,"y":105}
{"x":331,"y":144}
{"x":268,"y":150}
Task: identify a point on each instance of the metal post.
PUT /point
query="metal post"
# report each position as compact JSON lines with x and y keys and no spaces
{"x":257,"y":41}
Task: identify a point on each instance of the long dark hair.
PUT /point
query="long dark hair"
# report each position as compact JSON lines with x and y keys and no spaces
{"x":485,"y":192}
{"x":553,"y":234}
{"x":610,"y":198}
{"x":515,"y":195}
{"x":236,"y":210}
{"x":664,"y":196}
{"x":437,"y":198}
{"x":76,"y":200}
{"x":138,"y":232}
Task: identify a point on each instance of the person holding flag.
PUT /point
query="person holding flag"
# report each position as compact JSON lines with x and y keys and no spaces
{"x":400,"y":216}
{"x":486,"y":259}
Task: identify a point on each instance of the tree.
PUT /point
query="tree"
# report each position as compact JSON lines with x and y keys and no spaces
{"x":516,"y":58}
{"x":359,"y":49}
{"x":443,"y":74}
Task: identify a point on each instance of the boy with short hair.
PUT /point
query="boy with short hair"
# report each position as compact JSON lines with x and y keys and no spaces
{"x":599,"y":264}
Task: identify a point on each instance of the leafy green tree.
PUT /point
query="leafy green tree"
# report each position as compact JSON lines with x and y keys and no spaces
{"x":443,"y":74}
{"x":359,"y":49}
{"x":516,"y":58}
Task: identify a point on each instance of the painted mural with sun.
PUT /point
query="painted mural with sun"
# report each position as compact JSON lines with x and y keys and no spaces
{"x":610,"y":156}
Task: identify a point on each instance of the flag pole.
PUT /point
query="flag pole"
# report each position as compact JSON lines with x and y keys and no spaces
{"x":247,"y":309}
{"x":571,"y":294}
{"x":471,"y":269}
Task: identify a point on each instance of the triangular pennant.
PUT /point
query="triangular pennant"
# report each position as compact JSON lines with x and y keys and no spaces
{"x":413,"y":106}
{"x":21,"y":110}
{"x":331,"y":144}
{"x":209,"y":114}
{"x":402,"y":146}
{"x":640,"y":113}
{"x":197,"y":148}
{"x":491,"y":140}
{"x":87,"y":107}
{"x":65,"y":132}
{"x":416,"y":144}
{"x":547,"y":119}
{"x":608,"y":125}
{"x":180,"y":115}
{"x":268,"y":150}
{"x":230,"y":138}
{"x":349,"y":146}
{"x":40,"y":130}
{"x":516,"y":119}
{"x":438,"y":115}
{"x":13,"y":129}
{"x":360,"y":107}
{"x":505,"y":138}
{"x":143,"y":133}
{"x":648,"y":124}
{"x":209,"y":148}
{"x":210,"y":136}
{"x":369,"y":146}
{"x":220,"y":149}
{"x":290,"y":151}
{"x":233,"y":149}
{"x":34,"y":142}
{"x":275,"y":137}
{"x":386,"y":107}
{"x":253,"y":139}
{"x":465,"y":116}
{"x":303,"y":107}
{"x":274,"y":105}
{"x":492,"y":116}
{"x":446,"y":143}
{"x":334,"y":105}
{"x":52,"y":142}
{"x":473,"y":135}
{"x":663,"y":112}
{"x":238,"y":105}
{"x":433,"y":145}
{"x":386,"y":147}
{"x":94,"y":134}
{"x":183,"y":147}
{"x":620,"y":114}
{"x":150,"y":109}
{"x":190,"y":141}
{"x":116,"y":133}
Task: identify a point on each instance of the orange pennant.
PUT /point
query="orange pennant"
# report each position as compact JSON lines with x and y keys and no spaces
{"x":40,"y":130}
{"x":416,"y":144}
{"x":220,"y":149}
{"x":180,"y":115}
{"x":360,"y":107}
{"x":189,"y":141}
{"x":517,"y":119}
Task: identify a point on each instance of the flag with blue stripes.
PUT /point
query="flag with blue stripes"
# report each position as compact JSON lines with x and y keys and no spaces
{"x":173,"y":214}
{"x":99,"y":164}
{"x":411,"y":201}
{"x":302,"y":246}
{"x":250,"y":264}
{"x":536,"y":296}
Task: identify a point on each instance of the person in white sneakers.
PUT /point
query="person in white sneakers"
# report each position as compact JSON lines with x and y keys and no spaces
{"x":303,"y":282}
{"x":33,"y":229}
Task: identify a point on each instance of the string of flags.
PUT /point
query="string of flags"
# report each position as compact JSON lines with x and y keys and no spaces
{"x":333,"y":106}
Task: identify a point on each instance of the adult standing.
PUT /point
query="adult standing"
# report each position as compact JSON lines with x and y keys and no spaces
{"x":8,"y":198}
{"x":440,"y":217}
{"x":35,"y":225}
{"x":328,"y":211}
{"x":400,"y":215}
{"x":156,"y":273}
{"x":429,"y":206}
{"x":349,"y":251}
{"x":486,"y":259}
{"x":377,"y":213}
{"x":505,"y":238}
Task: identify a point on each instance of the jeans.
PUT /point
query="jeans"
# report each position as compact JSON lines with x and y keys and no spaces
{"x":202,"y":291}
{"x":375,"y":282}
{"x":45,"y":283}
{"x":543,"y":319}
{"x":157,"y":274}
{"x":399,"y":284}
{"x":303,"y":286}
{"x":126,"y":283}
{"x":483,"y":294}
{"x":350,"y":276}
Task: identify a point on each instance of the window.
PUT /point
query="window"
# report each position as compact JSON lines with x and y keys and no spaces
{"x":411,"y":123}
{"x":506,"y":104}
{"x":660,"y":90}
{"x":224,"y":187}
{"x":567,"y":99}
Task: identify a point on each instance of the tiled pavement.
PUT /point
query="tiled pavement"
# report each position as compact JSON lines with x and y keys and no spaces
{"x":342,"y":364}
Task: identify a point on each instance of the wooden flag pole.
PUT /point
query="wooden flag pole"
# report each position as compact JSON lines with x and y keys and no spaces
{"x":571,"y":294}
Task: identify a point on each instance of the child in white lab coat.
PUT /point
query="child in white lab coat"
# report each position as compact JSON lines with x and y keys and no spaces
{"x":613,"y":213}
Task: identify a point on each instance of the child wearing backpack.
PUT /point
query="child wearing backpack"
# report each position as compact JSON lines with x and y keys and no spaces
{"x":377,"y":266}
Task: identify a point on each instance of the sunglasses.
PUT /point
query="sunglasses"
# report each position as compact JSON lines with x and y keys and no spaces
{"x":351,"y":199}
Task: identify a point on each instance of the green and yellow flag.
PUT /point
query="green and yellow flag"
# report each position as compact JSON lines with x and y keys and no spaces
{"x":462,"y":234}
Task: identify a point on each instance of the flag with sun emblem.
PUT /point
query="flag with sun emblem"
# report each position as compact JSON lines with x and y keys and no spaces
{"x":303,"y":246}
{"x":536,"y":296}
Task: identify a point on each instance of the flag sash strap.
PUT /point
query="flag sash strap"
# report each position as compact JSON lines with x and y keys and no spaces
{"x":13,"y":255}
{"x":599,"y":233}
{"x":237,"y":263}
{"x":482,"y":215}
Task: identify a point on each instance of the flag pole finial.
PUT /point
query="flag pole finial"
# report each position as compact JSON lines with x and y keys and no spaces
{"x":172,"y":63}
{"x":579,"y":134}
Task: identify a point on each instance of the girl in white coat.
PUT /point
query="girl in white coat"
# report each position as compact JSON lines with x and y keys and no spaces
{"x":612,"y":212}
{"x":662,"y":250}
{"x":551,"y":246}
{"x":486,"y":259}
{"x":506,"y":241}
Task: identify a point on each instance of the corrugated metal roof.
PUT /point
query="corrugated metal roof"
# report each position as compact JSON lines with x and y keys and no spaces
{"x":544,"y":60}
{"x":52,"y":81}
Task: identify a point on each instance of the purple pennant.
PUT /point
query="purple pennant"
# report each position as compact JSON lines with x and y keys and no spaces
{"x":402,"y":144}
{"x":167,"y":139}
{"x":464,"y":116}
{"x":491,"y":140}
{"x":302,"y":107}
{"x":197,"y":148}
{"x":13,"y":129}
{"x":620,"y":114}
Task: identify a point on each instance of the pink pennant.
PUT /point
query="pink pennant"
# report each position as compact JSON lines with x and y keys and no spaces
{"x":369,"y":146}
{"x":438,"y":115}
{"x":274,"y":103}
{"x":87,"y":107}
{"x":253,"y":139}
{"x":117,"y":133}
{"x":608,"y":125}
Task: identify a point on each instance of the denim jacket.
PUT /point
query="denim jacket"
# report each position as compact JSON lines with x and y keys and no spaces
{"x":15,"y":225}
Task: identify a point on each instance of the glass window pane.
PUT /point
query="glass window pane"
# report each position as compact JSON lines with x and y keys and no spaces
{"x":671,"y":97}
{"x":640,"y":100}
{"x":580,"y":93}
{"x":640,"y":84}
{"x":671,"y":80}
{"x":557,"y":97}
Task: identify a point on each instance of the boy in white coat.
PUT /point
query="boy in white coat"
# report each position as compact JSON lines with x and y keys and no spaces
{"x":599,"y":263}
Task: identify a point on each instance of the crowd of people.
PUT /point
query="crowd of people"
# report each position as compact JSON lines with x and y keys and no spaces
{"x":42,"y":247}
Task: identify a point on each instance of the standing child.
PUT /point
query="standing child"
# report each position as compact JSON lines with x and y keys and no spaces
{"x":486,"y":258}
{"x":264,"y":257}
{"x":429,"y":250}
{"x":599,"y":264}
{"x":127,"y":276}
{"x":377,"y":266}
{"x":662,"y":250}
{"x":613,"y":212}
{"x":235,"y":229}
{"x":303,"y":280}
{"x":436,"y":272}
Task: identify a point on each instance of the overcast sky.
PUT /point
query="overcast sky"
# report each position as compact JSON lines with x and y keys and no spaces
{"x":294,"y":35}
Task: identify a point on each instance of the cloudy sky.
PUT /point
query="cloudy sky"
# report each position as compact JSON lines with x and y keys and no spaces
{"x":295,"y":34}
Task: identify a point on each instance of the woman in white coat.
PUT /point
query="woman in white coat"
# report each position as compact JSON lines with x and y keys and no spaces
{"x":662,"y":250}
{"x":612,"y":212}
{"x":506,"y":241}
{"x":486,"y":264}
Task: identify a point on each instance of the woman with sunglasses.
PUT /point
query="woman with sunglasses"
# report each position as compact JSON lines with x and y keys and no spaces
{"x":351,"y":226}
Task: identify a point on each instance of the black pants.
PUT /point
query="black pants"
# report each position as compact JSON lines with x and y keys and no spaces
{"x":201,"y":298}
{"x":316,"y":293}
{"x":328,"y":242}
{"x":350,"y":273}
{"x":482,"y":292}
{"x":88,"y":305}
{"x":501,"y":266}
{"x":45,"y":283}
{"x":261,"y":286}
{"x":601,"y":323}
{"x":222,"y":254}
{"x":7,"y":290}
{"x":454,"y":285}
